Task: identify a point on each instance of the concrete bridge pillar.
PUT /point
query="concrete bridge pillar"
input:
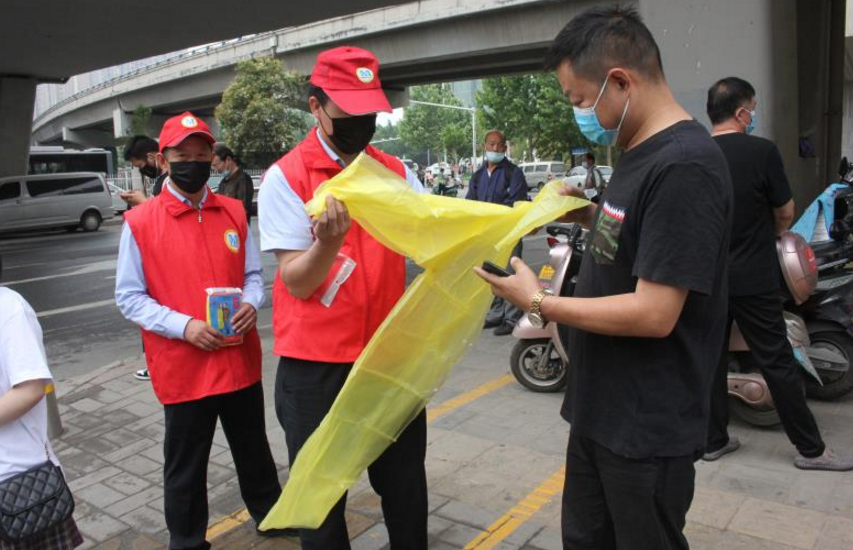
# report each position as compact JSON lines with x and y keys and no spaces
{"x":17,"y":100}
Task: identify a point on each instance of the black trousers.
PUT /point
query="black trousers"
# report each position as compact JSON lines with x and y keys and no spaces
{"x":611,"y":502}
{"x":501,"y":310}
{"x":304,"y":393}
{"x":761,"y":321}
{"x":189,"y":434}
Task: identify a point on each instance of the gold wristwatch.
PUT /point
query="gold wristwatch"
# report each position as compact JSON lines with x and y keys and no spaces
{"x":535,"y":316}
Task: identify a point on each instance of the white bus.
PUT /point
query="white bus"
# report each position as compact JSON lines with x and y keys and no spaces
{"x":55,"y":159}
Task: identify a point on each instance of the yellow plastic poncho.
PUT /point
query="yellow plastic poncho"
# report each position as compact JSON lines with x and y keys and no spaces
{"x":434,"y":323}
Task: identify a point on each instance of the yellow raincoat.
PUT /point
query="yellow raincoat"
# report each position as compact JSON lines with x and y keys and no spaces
{"x":434,"y":323}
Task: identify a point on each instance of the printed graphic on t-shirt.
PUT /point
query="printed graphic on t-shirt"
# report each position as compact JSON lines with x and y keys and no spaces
{"x":605,"y":244}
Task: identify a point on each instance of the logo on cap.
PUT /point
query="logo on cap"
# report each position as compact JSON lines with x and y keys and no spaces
{"x":232,"y":240}
{"x":189,"y":122}
{"x":364,"y":74}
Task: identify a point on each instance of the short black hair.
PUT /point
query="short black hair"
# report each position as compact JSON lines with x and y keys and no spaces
{"x":727,"y":96}
{"x":224,"y":152}
{"x":602,"y":38}
{"x":319,"y":93}
{"x":139,"y":146}
{"x":590,"y":156}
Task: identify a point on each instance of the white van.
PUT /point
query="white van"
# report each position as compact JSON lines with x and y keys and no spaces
{"x":73,"y":200}
{"x":538,"y":174}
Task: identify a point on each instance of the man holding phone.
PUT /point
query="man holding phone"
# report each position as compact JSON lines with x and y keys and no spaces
{"x":649,"y":310}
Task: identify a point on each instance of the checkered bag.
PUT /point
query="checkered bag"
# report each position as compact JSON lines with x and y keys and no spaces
{"x":33,"y":501}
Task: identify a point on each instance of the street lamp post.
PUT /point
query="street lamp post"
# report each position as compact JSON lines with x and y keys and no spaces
{"x":471,"y":110}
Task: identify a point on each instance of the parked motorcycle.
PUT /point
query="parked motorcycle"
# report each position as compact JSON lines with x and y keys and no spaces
{"x":446,"y":190}
{"x":539,"y":361}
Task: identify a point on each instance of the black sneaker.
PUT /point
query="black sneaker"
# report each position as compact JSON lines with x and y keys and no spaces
{"x":504,"y":330}
{"x":142,"y":374}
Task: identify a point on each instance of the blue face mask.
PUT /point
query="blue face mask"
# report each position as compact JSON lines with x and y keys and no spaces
{"x":753,"y":116}
{"x":590,"y":126}
{"x":494,"y":158}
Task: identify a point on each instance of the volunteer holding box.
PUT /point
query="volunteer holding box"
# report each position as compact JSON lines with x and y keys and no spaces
{"x":174,"y":247}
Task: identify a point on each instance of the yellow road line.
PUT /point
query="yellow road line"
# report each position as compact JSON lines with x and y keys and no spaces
{"x":520,"y":513}
{"x":241,"y":516}
{"x":451,"y":404}
{"x":227,"y":523}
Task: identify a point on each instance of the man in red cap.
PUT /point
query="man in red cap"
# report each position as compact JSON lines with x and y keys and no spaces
{"x":173,"y":247}
{"x":320,"y":328}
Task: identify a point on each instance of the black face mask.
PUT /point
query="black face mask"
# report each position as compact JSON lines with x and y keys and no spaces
{"x":352,"y":134}
{"x":189,"y":176}
{"x":148,"y":171}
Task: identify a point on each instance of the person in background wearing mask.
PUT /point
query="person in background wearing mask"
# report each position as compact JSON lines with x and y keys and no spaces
{"x":499,"y":181}
{"x":649,"y":308}
{"x":318,"y":344}
{"x":141,"y":152}
{"x":763,"y":209}
{"x":594,"y":179}
{"x":172,"y":248}
{"x":235,"y":183}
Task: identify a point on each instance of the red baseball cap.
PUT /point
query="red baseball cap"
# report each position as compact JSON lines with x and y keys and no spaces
{"x":350,"y":77}
{"x":178,"y":128}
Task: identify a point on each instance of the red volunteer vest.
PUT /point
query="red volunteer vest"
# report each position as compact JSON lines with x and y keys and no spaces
{"x":308,"y":330}
{"x":183,"y":253}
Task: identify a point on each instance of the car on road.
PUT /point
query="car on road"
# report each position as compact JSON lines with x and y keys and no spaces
{"x":215,"y":179}
{"x":74,"y":200}
{"x":539,"y":173}
{"x":576,"y":177}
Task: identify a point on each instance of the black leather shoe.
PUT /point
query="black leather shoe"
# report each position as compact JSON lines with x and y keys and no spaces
{"x":504,"y":330}
{"x":272,"y":533}
{"x":492,"y":324}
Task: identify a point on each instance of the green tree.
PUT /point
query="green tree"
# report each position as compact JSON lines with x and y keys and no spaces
{"x":437,"y":129}
{"x":258,"y":115}
{"x":534,"y":114}
{"x":139,"y":120}
{"x":387,"y":138}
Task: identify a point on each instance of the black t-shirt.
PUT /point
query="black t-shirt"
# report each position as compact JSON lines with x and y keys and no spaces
{"x":665,"y":217}
{"x":760,"y":185}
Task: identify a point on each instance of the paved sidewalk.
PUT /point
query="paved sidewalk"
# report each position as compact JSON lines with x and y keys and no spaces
{"x":494,"y":465}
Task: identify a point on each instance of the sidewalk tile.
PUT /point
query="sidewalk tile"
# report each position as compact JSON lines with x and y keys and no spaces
{"x":138,"y":464}
{"x":548,"y":538}
{"x":122,"y":437}
{"x":714,"y":508}
{"x":132,"y":449}
{"x":145,"y":520}
{"x":374,"y":538}
{"x":461,"y":512}
{"x":138,"y":500}
{"x":779,"y":523}
{"x":837,"y":534}
{"x":87,"y":405}
{"x":459,"y":535}
{"x":95,"y":477}
{"x":99,"y":495}
{"x":126,"y":483}
{"x":99,"y":526}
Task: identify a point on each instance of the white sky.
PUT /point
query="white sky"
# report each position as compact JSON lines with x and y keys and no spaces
{"x":394,"y":117}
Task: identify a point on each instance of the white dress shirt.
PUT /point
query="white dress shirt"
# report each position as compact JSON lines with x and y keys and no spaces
{"x":137,"y":305}
{"x":282,"y":219}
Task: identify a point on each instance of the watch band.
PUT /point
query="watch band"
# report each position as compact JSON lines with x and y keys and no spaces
{"x":536,"y":303}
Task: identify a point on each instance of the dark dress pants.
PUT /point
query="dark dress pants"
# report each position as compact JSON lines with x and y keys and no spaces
{"x":304,"y":393}
{"x":762,"y":323}
{"x":189,"y":435}
{"x":612,"y":502}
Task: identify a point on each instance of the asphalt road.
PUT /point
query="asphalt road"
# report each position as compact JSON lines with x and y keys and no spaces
{"x":69,"y":279}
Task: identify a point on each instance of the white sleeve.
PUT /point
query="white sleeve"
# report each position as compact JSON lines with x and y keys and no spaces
{"x":282,"y":220}
{"x":21,"y":346}
{"x":413,"y":180}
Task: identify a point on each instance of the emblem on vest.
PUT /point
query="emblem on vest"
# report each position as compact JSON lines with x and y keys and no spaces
{"x":232,"y":241}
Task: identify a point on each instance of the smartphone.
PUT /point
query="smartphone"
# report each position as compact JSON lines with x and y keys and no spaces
{"x":494,"y":269}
